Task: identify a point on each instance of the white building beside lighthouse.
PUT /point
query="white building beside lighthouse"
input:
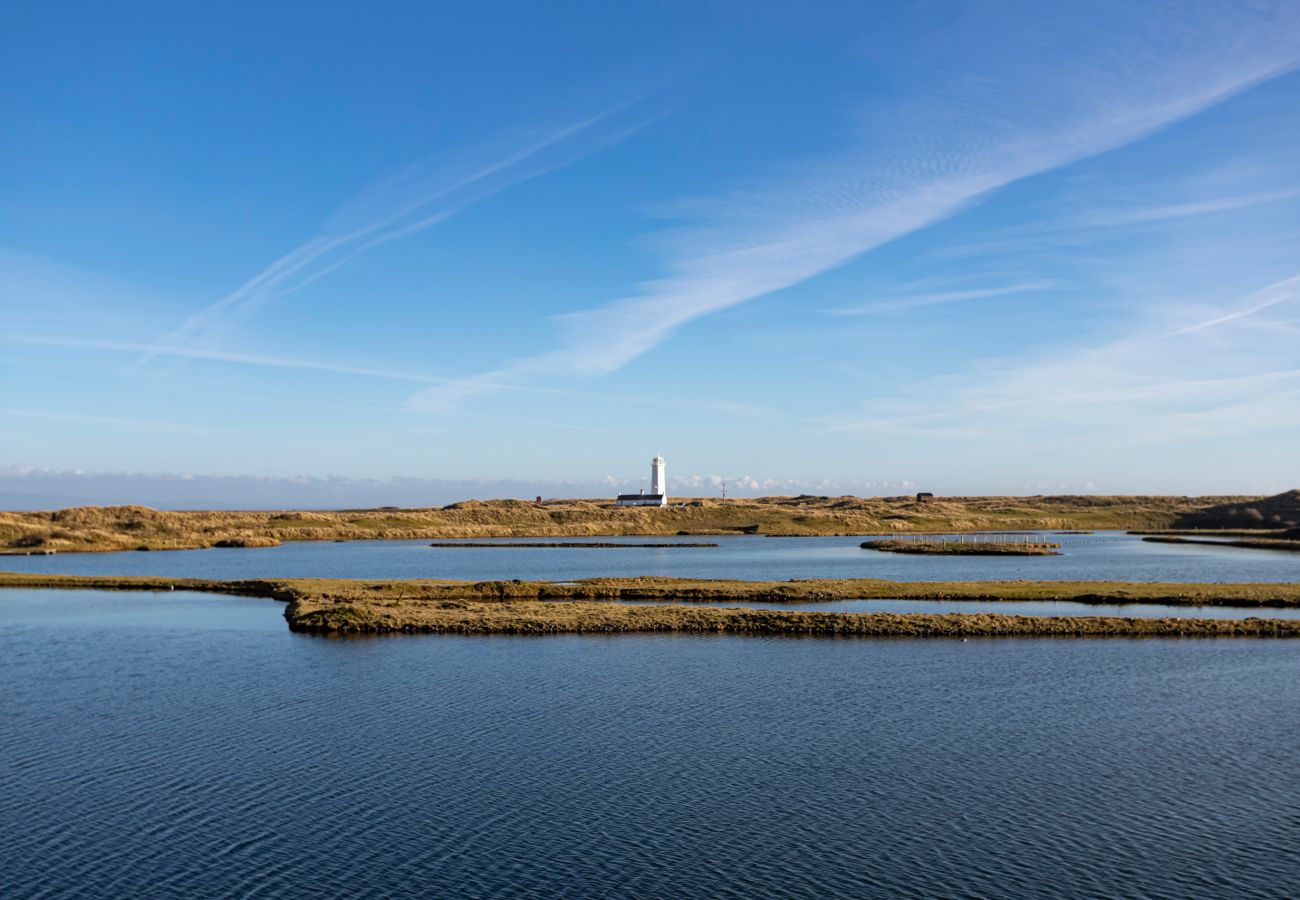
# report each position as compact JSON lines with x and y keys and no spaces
{"x":658,"y":495}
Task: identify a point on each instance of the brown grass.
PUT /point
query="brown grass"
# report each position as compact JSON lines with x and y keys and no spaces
{"x":132,"y":527}
{"x":325,"y":616}
{"x":1281,"y":511}
{"x":1256,"y":543}
{"x":686,"y":590}
{"x":518,"y":607}
{"x":964,"y":548}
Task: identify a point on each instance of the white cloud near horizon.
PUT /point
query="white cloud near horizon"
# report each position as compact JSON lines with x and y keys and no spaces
{"x":31,"y":487}
{"x":935,"y":160}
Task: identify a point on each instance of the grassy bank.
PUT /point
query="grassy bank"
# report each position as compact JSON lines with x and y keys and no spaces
{"x":321,"y":616}
{"x":530,"y":607}
{"x":575,"y":545}
{"x":538,"y":608}
{"x":687,"y":590}
{"x":964,"y":548}
{"x":1278,"y":512}
{"x":136,"y":527}
{"x":1252,"y":543}
{"x":285,"y":589}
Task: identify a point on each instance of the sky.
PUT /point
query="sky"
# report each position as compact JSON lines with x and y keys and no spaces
{"x":406,"y":253}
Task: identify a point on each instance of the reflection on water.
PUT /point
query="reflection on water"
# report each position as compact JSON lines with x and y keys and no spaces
{"x":149,"y":610}
{"x":1111,"y":556}
{"x":155,"y":759}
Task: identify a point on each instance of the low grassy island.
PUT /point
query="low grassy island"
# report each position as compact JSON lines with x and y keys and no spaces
{"x":964,"y":548}
{"x":1281,"y":542}
{"x":324,"y":615}
{"x":592,"y":606}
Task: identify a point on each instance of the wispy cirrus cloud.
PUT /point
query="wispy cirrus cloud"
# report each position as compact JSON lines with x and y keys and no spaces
{"x":1281,"y":292}
{"x":420,"y":197}
{"x":387,"y":373}
{"x":1217,"y":376}
{"x":1165,"y":212}
{"x":936,"y":158}
{"x":936,"y":298}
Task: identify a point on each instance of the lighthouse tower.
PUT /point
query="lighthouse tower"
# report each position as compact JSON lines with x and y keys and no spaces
{"x":658,"y":495}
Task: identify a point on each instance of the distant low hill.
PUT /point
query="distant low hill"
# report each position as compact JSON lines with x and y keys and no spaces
{"x":1276,"y":512}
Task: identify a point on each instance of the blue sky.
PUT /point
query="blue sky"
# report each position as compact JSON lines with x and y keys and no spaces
{"x":511,"y":248}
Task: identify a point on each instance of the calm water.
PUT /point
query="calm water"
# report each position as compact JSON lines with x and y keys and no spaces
{"x":1086,"y":557}
{"x":170,"y":744}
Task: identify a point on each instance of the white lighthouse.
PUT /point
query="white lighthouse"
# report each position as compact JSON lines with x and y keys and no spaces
{"x":658,"y":495}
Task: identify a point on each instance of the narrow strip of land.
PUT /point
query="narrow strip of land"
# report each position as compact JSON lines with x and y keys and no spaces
{"x":324,"y":616}
{"x":1248,"y":543}
{"x":572,"y":545}
{"x":964,"y":548}
{"x":694,"y":590}
{"x":590,"y":606}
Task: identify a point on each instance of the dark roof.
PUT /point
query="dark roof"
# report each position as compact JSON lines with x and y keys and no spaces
{"x":640,"y":496}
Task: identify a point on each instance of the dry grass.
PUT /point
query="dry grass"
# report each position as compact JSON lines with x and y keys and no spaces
{"x":1254,"y":543}
{"x":688,"y":590}
{"x":962,"y":548}
{"x":519,"y":607}
{"x":1279,"y":512}
{"x":325,"y":616}
{"x":134,"y":527}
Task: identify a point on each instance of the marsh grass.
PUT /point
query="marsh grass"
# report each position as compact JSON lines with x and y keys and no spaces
{"x":321,"y":615}
{"x":964,"y":548}
{"x":342,"y":606}
{"x":92,"y":528}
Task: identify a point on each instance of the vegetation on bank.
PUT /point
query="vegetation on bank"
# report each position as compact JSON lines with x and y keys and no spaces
{"x":323,"y":616}
{"x":693,"y":591}
{"x":286,"y":589}
{"x":1256,"y":543}
{"x":1279,"y":512}
{"x":696,"y":591}
{"x":91,"y":528}
{"x":964,"y":548}
{"x":573,"y":545}
{"x":342,"y":606}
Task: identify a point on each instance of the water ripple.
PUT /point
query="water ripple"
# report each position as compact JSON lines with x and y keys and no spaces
{"x":215,"y":763}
